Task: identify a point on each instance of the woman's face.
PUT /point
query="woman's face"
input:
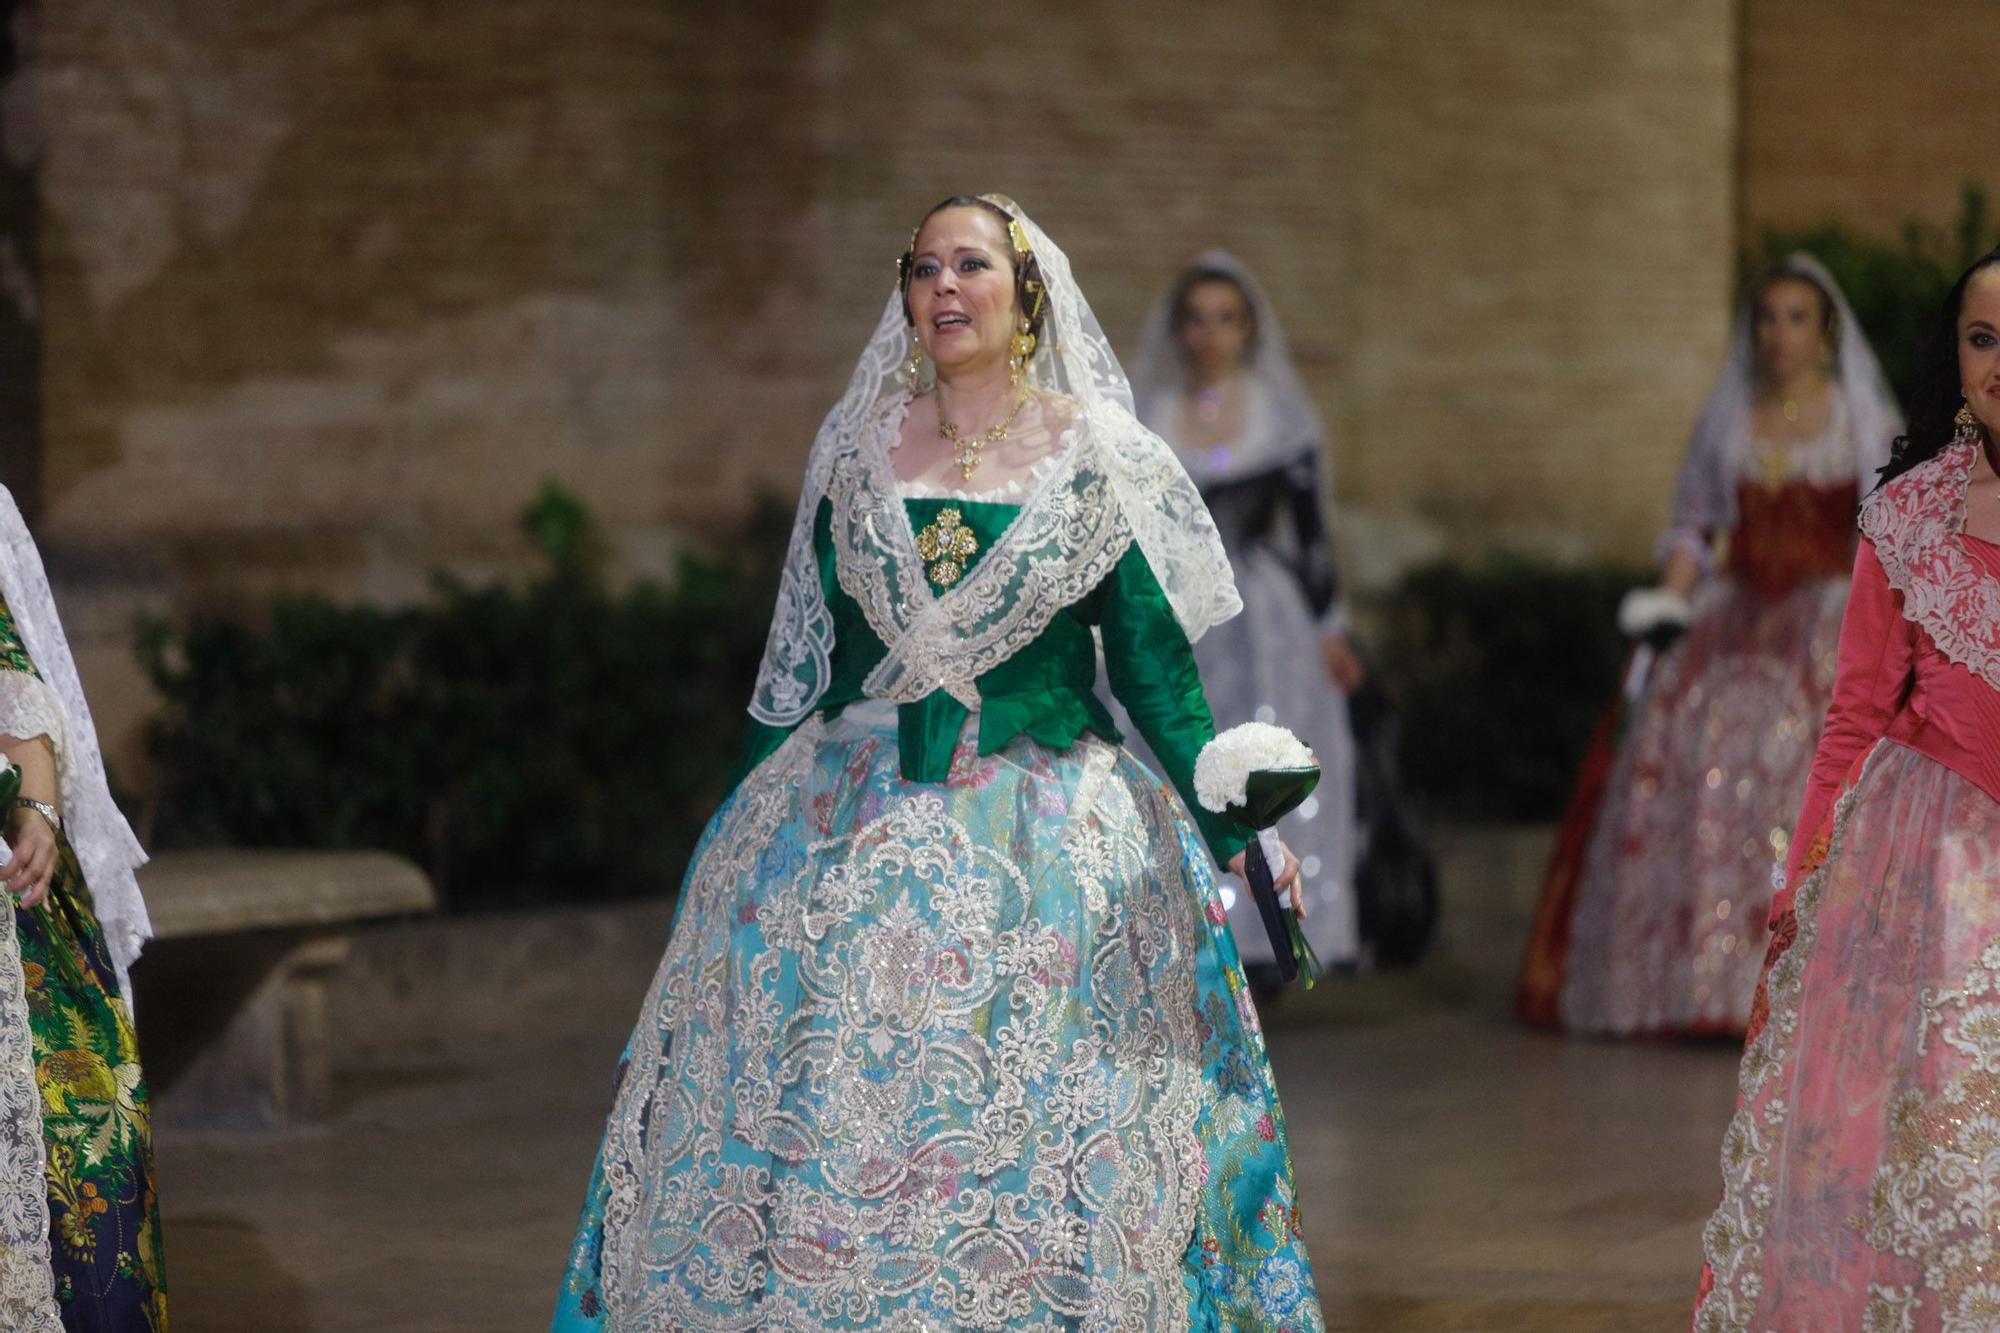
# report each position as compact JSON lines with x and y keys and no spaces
{"x":961,"y":291}
{"x":1215,"y":327}
{"x":1790,"y":327}
{"x":1979,"y":348}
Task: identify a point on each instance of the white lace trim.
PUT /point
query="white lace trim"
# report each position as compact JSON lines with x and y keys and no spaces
{"x":1116,"y":483}
{"x":29,"y":708}
{"x":27,"y":1281}
{"x":1013,"y":491}
{"x":1828,"y":459}
{"x":1915,"y":522}
{"x":1062,"y":544}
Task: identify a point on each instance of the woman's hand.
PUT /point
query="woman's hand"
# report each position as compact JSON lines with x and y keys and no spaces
{"x":1343,"y":664}
{"x":34,"y":846}
{"x":1682,"y":572}
{"x":1282,"y":881}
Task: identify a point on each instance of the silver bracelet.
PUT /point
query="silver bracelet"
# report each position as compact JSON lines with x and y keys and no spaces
{"x":44,"y":809}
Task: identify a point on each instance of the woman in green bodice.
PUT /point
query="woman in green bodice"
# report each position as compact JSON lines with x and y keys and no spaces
{"x":950,"y":1032}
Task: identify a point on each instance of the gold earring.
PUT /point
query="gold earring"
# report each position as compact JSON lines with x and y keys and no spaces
{"x":1965,"y":420}
{"x":1024,"y":347}
{"x":913,"y":372}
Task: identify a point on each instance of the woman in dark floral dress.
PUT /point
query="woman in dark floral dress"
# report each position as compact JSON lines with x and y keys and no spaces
{"x":79,"y":1219}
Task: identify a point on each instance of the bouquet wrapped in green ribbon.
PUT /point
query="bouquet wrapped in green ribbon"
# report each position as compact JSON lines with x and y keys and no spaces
{"x":1257,"y":774}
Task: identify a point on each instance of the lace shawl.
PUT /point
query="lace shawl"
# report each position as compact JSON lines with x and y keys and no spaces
{"x":1914,"y":522}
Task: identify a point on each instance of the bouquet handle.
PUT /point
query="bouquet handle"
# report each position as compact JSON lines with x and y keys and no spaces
{"x":1257,"y":870}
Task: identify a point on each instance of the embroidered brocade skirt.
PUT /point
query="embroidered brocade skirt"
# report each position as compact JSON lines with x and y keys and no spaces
{"x":969,"y":1055}
{"x":1660,"y":927}
{"x":76,"y":1169}
{"x":1861,"y":1172}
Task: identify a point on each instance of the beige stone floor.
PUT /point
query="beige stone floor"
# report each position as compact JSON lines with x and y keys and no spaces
{"x":1459,"y":1174}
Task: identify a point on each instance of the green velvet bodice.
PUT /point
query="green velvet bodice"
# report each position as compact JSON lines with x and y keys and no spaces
{"x":1046,"y":691}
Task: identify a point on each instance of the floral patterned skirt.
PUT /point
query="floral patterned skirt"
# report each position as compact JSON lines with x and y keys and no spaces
{"x":1861,"y":1172}
{"x":1667,"y":928}
{"x":969,"y":1055}
{"x":76,"y":1169}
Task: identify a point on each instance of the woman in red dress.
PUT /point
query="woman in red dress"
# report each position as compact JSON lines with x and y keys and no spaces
{"x":1861,"y":1173}
{"x":1652,"y":917}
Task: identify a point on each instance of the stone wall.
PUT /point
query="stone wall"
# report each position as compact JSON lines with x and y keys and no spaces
{"x":330,"y":288}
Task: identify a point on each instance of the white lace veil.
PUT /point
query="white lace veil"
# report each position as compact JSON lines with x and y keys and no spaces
{"x":1116,"y":483}
{"x":1705,"y":497}
{"x":54,"y":707}
{"x":1288,"y":426}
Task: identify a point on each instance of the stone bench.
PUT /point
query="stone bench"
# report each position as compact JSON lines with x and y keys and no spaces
{"x":231,"y":992}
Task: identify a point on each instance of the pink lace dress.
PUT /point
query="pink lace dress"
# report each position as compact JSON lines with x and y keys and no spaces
{"x":1861,"y":1171}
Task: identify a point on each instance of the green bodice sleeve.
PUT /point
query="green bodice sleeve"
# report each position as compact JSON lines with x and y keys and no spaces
{"x":1151,"y":668}
{"x":1046,"y":691}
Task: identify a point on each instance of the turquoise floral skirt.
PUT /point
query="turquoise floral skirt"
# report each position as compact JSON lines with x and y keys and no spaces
{"x":967,"y":1055}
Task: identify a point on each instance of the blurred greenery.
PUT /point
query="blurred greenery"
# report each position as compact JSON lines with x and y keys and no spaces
{"x":1895,"y":286}
{"x":1500,"y":670}
{"x":558,"y":739}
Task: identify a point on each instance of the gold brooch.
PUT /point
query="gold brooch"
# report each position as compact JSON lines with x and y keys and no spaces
{"x":948,"y":544}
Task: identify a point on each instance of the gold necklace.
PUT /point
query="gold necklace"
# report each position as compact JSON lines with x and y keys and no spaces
{"x":1791,"y":410}
{"x":965,"y":453}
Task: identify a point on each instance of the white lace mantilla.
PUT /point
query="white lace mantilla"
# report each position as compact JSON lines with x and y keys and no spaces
{"x":1115,"y":483}
{"x":50,"y":705}
{"x":1010,"y":492}
{"x":1705,"y":494}
{"x":105,"y":848}
{"x":1915,"y":522}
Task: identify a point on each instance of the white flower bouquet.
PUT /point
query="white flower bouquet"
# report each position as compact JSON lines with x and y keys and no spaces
{"x":1657,"y":615}
{"x":1258,"y":773}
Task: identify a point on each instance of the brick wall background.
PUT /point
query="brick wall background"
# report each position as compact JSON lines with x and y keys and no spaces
{"x":1869,"y":111}
{"x":328,"y":289}
{"x":341,"y":283}
{"x":1540,"y":204}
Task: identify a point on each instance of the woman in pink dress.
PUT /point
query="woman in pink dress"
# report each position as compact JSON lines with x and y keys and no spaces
{"x":1652,"y":917}
{"x":1861,"y":1173}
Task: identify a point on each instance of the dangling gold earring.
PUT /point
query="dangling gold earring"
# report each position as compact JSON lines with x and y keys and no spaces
{"x":1024,"y":347}
{"x":913,"y":373}
{"x":1965,"y":420}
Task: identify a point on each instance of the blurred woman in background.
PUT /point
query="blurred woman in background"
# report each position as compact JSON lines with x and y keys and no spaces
{"x":1652,"y":919}
{"x":1214,"y":377}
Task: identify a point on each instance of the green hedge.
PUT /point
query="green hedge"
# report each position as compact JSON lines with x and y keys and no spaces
{"x":557,"y":740}
{"x":1500,"y":670}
